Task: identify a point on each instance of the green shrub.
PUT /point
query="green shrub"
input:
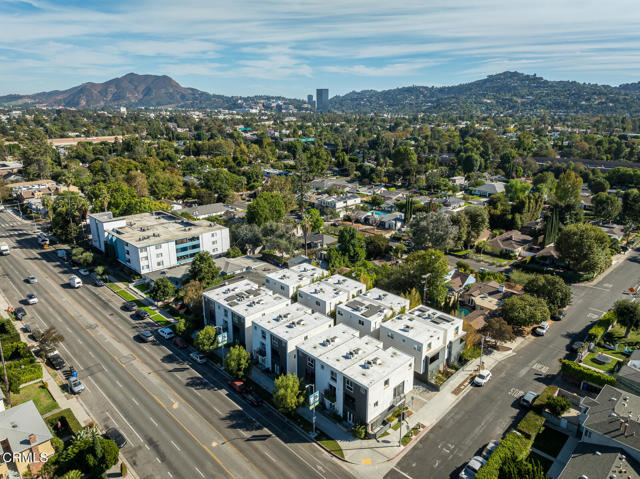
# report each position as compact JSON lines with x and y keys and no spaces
{"x":600,"y":327}
{"x":541,"y":401}
{"x":585,"y":374}
{"x":359,"y":431}
{"x":558,"y":405}
{"x":514,"y":444}
{"x":531,"y":424}
{"x":8,"y":333}
{"x":123,"y":469}
{"x":19,"y":376}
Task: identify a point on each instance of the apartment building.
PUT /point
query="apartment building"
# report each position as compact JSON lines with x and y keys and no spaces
{"x":233,"y":308}
{"x":287,"y":281}
{"x":338,"y":203}
{"x":276,"y":336}
{"x":454,"y":335}
{"x":367,"y":311}
{"x":357,"y":378}
{"x":149,"y":242}
{"x":323,"y":296}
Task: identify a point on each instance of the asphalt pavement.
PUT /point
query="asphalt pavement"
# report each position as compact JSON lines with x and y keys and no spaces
{"x":179,"y":418}
{"x":487,"y":413}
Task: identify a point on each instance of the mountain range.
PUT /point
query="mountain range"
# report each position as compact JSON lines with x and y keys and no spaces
{"x":505,"y":93}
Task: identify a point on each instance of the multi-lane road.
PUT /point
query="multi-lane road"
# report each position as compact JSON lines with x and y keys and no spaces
{"x":486,"y":413}
{"x":179,"y":418}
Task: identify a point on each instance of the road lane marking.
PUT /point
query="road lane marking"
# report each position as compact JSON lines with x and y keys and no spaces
{"x":147,"y":446}
{"x":70,"y":355}
{"x":118,"y":383}
{"x":199,"y":471}
{"x":216,"y":409}
{"x":155,"y":423}
{"x":598,"y":310}
{"x":269,"y":456}
{"x":116,"y":409}
{"x":170,"y":475}
{"x":176,"y":446}
{"x":159,"y":461}
{"x":136,"y":402}
{"x":400,"y":472}
{"x":540,"y":367}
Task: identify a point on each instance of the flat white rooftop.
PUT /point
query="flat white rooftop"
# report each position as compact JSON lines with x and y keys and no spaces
{"x":351,"y":352}
{"x":378,"y":366}
{"x":393,"y":301}
{"x":301,"y":326}
{"x":434,"y":316}
{"x":416,"y":329}
{"x":336,"y":286}
{"x":147,"y":229}
{"x":301,"y":274}
{"x":282,"y":316}
{"x":367,"y":308}
{"x":322,"y":343}
{"x":246,"y":298}
{"x":346,"y":284}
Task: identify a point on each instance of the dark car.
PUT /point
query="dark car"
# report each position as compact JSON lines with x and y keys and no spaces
{"x":19,"y":313}
{"x":117,"y":437}
{"x":56,"y":361}
{"x":254,"y":400}
{"x":130,"y":306}
{"x":238,"y":386}
{"x":179,"y":342}
{"x":36,"y":334}
{"x":141,"y":314}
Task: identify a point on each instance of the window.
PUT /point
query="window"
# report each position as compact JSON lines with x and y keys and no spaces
{"x":158,"y":246}
{"x":416,"y":347}
{"x":226,"y":313}
{"x":311,"y":363}
{"x":375,"y":404}
{"x":264,"y":334}
{"x":386,"y":383}
{"x":160,"y":263}
{"x":456,"y":331}
{"x":339,"y":312}
{"x":390,"y":335}
{"x":361,"y":322}
{"x":317,"y":303}
{"x":322,"y":366}
{"x":333,"y":375}
{"x":428,"y":346}
{"x":434,"y":358}
{"x":348,"y":385}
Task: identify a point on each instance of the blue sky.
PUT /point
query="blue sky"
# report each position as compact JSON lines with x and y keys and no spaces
{"x":290,"y":48}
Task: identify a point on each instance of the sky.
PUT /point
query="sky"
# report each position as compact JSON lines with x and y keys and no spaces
{"x":290,"y":48}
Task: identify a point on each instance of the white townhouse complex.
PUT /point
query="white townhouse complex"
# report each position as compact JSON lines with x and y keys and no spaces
{"x":357,"y":378}
{"x":368,"y":311}
{"x":233,"y":308}
{"x":276,"y":335}
{"x":454,"y":335}
{"x":287,"y":281}
{"x":149,"y":242}
{"x":323,"y":296}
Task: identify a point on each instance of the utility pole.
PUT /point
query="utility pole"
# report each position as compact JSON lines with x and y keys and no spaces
{"x":481,"y":352}
{"x":6,"y":381}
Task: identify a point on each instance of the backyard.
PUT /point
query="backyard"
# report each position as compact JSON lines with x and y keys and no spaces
{"x":550,"y":441}
{"x":40,"y":396}
{"x":607,"y":367}
{"x":616,"y":336}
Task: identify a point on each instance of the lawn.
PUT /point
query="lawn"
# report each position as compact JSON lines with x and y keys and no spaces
{"x":616,"y":354}
{"x":550,"y":441}
{"x":126,"y":295}
{"x":63,"y":424}
{"x":616,"y":335}
{"x":40,"y":396}
{"x":142,"y":287}
{"x":485,"y":258}
{"x":544,"y":462}
{"x":332,"y":446}
{"x":607,"y":368}
{"x":408,"y":437}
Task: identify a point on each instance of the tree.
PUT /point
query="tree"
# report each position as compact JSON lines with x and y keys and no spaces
{"x":568,"y":188}
{"x":69,"y":213}
{"x":432,"y":230}
{"x":351,"y":245}
{"x":406,"y":161}
{"x":631,"y":206}
{"x":606,"y":207}
{"x":287,"y":393}
{"x":376,"y":246}
{"x":237,"y":361}
{"x":478,"y":222}
{"x":181,"y":328}
{"x":50,"y":339}
{"x":278,"y":237}
{"x":311,"y":221}
{"x":599,"y":185}
{"x":36,"y":155}
{"x":524,"y":310}
{"x":234,"y":252}
{"x":138,"y":181}
{"x":544,"y":183}
{"x":266,"y":207}
{"x":584,"y":248}
{"x":628,"y":314}
{"x":203,"y":269}
{"x":550,"y":288}
{"x":246,"y":236}
{"x":558,"y":405}
{"x":498,"y":330}
{"x":515,"y":468}
{"x":282,"y":186}
{"x":207,"y":340}
{"x":82,"y":257}
{"x":166,"y":184}
{"x":516,"y":190}
{"x":162,"y":289}
{"x":414,"y":297}
{"x":460,"y":221}
{"x":192,"y":294}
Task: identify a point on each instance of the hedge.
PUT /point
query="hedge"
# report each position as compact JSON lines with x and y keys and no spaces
{"x":531,"y":424}
{"x":513,"y":444}
{"x":19,"y":376}
{"x":586,"y":374}
{"x":8,"y":333}
{"x":541,"y":401}
{"x":601,"y":326}
{"x":16,"y":351}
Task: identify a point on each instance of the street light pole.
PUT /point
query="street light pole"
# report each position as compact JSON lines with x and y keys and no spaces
{"x":481,"y":352}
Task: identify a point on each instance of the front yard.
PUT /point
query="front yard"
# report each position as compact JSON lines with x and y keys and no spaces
{"x":606,"y":367}
{"x":40,"y":396}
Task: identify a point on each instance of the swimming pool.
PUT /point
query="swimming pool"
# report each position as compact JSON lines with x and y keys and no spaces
{"x":380,"y":213}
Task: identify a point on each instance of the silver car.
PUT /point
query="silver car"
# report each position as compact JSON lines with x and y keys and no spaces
{"x":32,"y":298}
{"x":146,"y":336}
{"x":32,"y":279}
{"x":75,"y":385}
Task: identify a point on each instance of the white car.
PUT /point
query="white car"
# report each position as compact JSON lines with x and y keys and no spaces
{"x":32,"y":279}
{"x":75,"y":385}
{"x":32,"y":298}
{"x":198,"y":358}
{"x":482,"y":378}
{"x":166,"y":333}
{"x":542,"y":329}
{"x":472,"y":468}
{"x":84,"y":272}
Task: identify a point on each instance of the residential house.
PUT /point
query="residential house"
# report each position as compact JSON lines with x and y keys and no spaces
{"x":487,"y":296}
{"x":320,"y":240}
{"x":358,"y":379}
{"x":392,"y":221}
{"x":548,"y":255}
{"x":338,"y":203}
{"x":204,"y":211}
{"x":9,"y":168}
{"x":367,"y":312}
{"x":287,"y":281}
{"x":512,"y":242}
{"x":276,"y":336}
{"x":149,"y":242}
{"x":233,"y":308}
{"x":595,"y":460}
{"x":488,"y":189}
{"x":25,"y":441}
{"x":458,"y":180}
{"x":27,"y":190}
{"x":325,"y":295}
{"x":453,"y":204}
{"x":628,"y":377}
{"x":612,"y":230}
{"x":457,"y":281}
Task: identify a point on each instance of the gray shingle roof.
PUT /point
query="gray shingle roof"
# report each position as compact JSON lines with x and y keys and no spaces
{"x":18,"y":422}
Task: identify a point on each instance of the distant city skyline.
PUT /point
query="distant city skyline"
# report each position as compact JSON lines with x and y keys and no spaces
{"x":289,"y":48}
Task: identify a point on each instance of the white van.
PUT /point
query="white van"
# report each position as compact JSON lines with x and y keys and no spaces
{"x":75,"y":282}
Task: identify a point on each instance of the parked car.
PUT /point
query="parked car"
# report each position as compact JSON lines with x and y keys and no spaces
{"x":542,"y":329}
{"x":166,"y":333}
{"x":577,"y":345}
{"x":254,"y":400}
{"x":141,"y":314}
{"x":116,"y":436}
{"x":130,"y":306}
{"x":472,"y":467}
{"x":560,"y":315}
{"x":146,"y":336}
{"x":238,"y":386}
{"x":56,"y":361}
{"x":19,"y":313}
{"x":75,"y":385}
{"x":32,"y":279}
{"x":36,"y":334}
{"x":198,"y":358}
{"x":528,"y":399}
{"x":489,"y":448}
{"x":99,"y":282}
{"x":32,"y":298}
{"x":84,"y":272}
{"x":482,"y":378}
{"x":179,"y":342}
